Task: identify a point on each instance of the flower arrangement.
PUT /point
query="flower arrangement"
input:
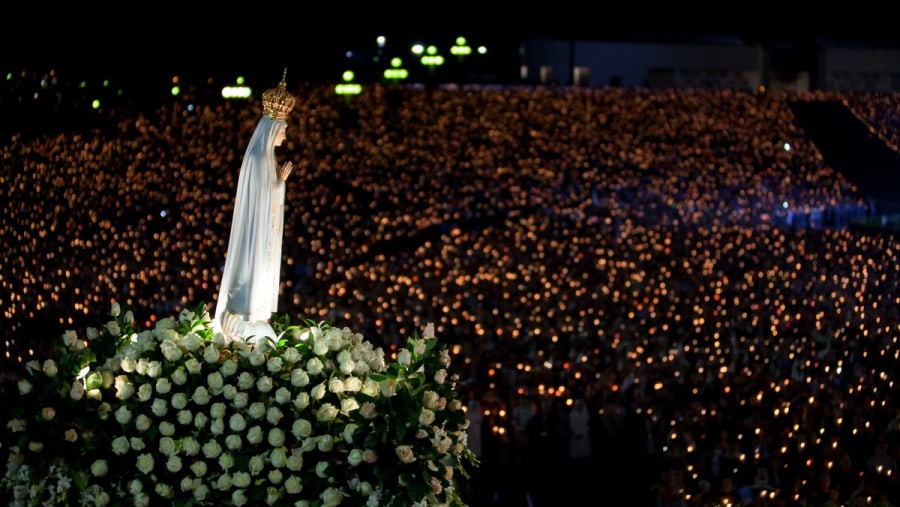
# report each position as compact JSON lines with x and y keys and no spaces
{"x":177,"y":415}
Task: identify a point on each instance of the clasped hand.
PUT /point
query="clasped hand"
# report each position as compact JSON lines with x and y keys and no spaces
{"x":285,"y":170}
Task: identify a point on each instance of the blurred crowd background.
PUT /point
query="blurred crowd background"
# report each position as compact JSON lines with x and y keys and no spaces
{"x":666,"y":296}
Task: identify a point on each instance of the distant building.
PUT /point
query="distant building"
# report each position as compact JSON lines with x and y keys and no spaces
{"x":714,"y":61}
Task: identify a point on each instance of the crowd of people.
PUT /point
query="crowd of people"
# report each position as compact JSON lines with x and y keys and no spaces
{"x":621,"y":273}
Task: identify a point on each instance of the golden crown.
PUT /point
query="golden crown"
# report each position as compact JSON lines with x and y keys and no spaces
{"x":277,"y":102}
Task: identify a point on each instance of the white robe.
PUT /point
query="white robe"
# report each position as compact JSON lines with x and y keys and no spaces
{"x":251,"y":277}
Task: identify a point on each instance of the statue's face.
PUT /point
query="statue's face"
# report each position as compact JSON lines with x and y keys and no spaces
{"x":279,"y":137}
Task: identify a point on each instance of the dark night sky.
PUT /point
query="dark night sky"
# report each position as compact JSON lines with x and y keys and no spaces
{"x":142,"y":40}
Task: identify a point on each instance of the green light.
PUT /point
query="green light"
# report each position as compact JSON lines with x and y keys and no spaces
{"x":395,"y":74}
{"x":348,"y":75}
{"x":239,"y":80}
{"x":347,"y":89}
{"x":236,"y":92}
{"x":95,"y":104}
{"x":396,"y":61}
{"x":460,"y":41}
{"x":175,"y":91}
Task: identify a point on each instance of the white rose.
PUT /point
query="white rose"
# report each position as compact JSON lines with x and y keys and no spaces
{"x":238,"y":498}
{"x":245,"y":380}
{"x":405,"y":453}
{"x":188,"y":483}
{"x":217,"y":410}
{"x":179,"y":401}
{"x":256,"y":464}
{"x":294,"y":462}
{"x":77,"y":391}
{"x":184,"y":417}
{"x":120,"y":445}
{"x":215,"y":381}
{"x":274,"y":364}
{"x":322,"y":469}
{"x":318,"y":392}
{"x":348,"y":432}
{"x":370,"y":387}
{"x":217,"y":427}
{"x":179,"y":377}
{"x":282,"y":395}
{"x":301,"y":428}
{"x":327,"y":412}
{"x":276,"y":437}
{"x":145,"y":463}
{"x":166,"y":428}
{"x":355,"y":457}
{"x":274,"y":415}
{"x":440,"y":377}
{"x":201,"y":492}
{"x":229,"y":392}
{"x":275,"y":476}
{"x":237,"y":422}
{"x":190,"y":446}
{"x":404,"y":357}
{"x":299,"y":377}
{"x":136,"y":444}
{"x":113,"y":328}
{"x":229,"y":367}
{"x":320,"y":347}
{"x":163,"y":386}
{"x":257,"y":410}
{"x":257,"y":358}
{"x":223,"y":483}
{"x":278,"y":457}
{"x":429,"y":330}
{"x":255,"y":435}
{"x":290,"y":355}
{"x":301,"y":401}
{"x":173,"y":464}
{"x":142,"y":423}
{"x":352,"y":384}
{"x":211,"y":354}
{"x":240,"y":400}
{"x":50,"y":368}
{"x":128,"y":365}
{"x":241,"y":479}
{"x":233,"y":442}
{"x":331,"y":497}
{"x":193,"y":366}
{"x":315,"y":366}
{"x":212,"y":449}
{"x":201,"y":396}
{"x":226,"y":461}
{"x":336,"y":385}
{"x":200,"y":420}
{"x":170,"y":350}
{"x":145,"y":392}
{"x":199,"y":468}
{"x":430,"y":399}
{"x":99,"y":468}
{"x":70,"y":338}
{"x":123,"y":415}
{"x":124,"y":387}
{"x":154,"y":369}
{"x":293,"y":485}
{"x":264,"y":384}
{"x":167,"y":446}
{"x":325,"y":443}
{"x":349,"y":405}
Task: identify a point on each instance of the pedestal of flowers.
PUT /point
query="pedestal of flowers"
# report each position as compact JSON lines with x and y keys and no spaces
{"x":176,"y":415}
